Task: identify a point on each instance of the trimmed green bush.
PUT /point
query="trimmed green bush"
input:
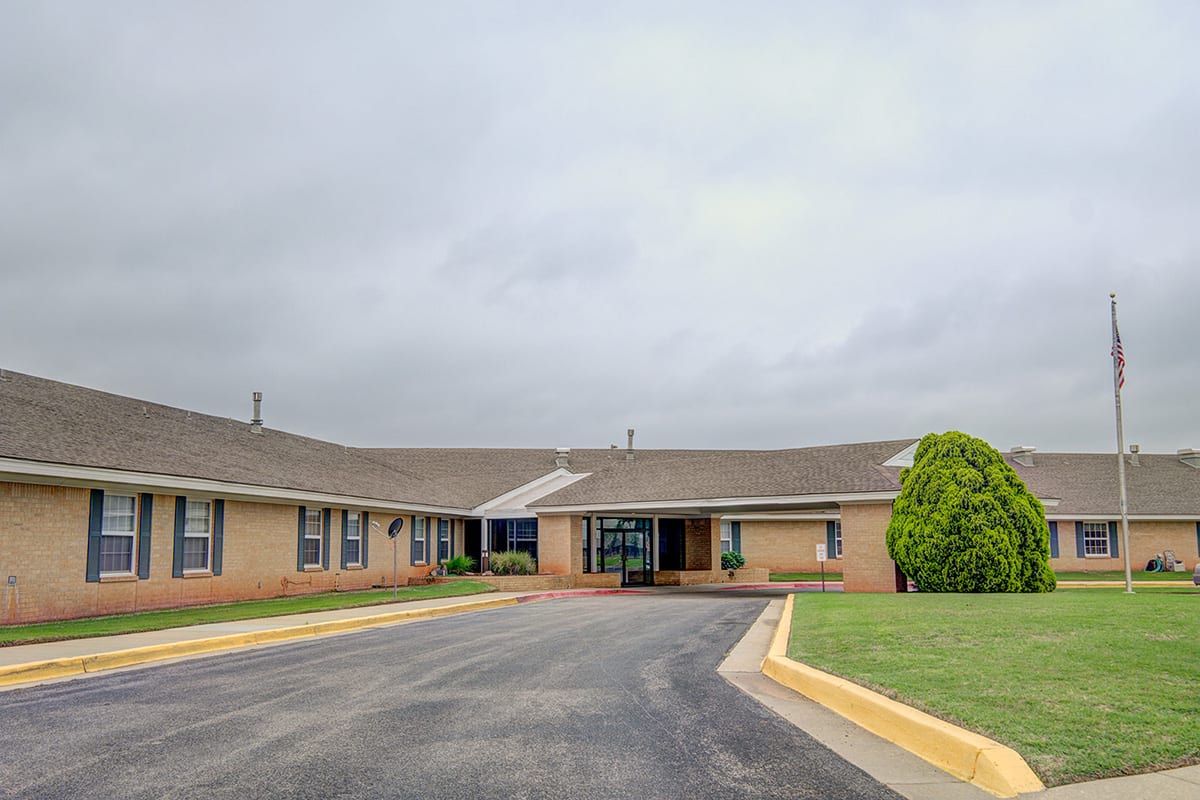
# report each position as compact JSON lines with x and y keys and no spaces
{"x":965,"y":522}
{"x":460,"y":564}
{"x":513,"y":562}
{"x":732,"y":560}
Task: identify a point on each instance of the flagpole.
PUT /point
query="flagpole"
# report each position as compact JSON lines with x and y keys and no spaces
{"x":1117,"y":374}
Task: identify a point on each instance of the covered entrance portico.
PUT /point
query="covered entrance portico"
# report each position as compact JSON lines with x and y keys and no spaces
{"x":648,"y":550}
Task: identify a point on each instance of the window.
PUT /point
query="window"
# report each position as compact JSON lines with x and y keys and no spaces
{"x":1095,"y":538}
{"x":443,"y":540}
{"x":837,"y":539}
{"x":353,"y":537}
{"x":726,"y":537}
{"x":586,"y":536}
{"x":197,"y":532}
{"x":418,"y":541}
{"x":116,"y":534}
{"x":312,"y":537}
{"x":515,"y":534}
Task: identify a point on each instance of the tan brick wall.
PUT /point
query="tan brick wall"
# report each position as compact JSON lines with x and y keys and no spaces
{"x":1146,"y":539}
{"x":785,"y":546}
{"x":866,"y":566}
{"x":43,"y":542}
{"x":559,"y":543}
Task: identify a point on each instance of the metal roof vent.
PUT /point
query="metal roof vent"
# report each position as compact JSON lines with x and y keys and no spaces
{"x":1023,"y":455}
{"x":1189,"y":456}
{"x":561,"y":457}
{"x":629,"y":451}
{"x":256,"y":420}
{"x":1134,"y":455}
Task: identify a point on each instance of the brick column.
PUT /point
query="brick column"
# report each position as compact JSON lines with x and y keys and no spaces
{"x":866,"y":566}
{"x":556,"y":545}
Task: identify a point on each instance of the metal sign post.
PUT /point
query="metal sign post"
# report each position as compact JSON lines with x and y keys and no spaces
{"x":821,"y":561}
{"x":394,"y":534}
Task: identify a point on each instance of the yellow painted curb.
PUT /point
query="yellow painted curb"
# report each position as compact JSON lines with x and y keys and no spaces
{"x":63,"y":667}
{"x":40,"y":671}
{"x":977,"y":759}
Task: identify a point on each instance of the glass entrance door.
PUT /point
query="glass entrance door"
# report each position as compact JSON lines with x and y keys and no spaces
{"x":624,"y":547}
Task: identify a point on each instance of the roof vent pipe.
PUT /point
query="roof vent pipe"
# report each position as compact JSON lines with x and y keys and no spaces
{"x":1023,"y":455}
{"x":561,"y":456}
{"x":1189,"y":456}
{"x":1134,"y":450}
{"x":629,"y":451}
{"x":256,"y":421}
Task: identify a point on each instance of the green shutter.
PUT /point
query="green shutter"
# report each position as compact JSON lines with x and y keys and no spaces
{"x":1113,"y":550}
{"x":735,"y":536}
{"x":145,"y":526}
{"x":95,"y":528}
{"x":300,"y":541}
{"x":830,"y":539}
{"x":218,"y":510}
{"x":1054,"y":540}
{"x":452,"y":523}
{"x":180,"y":521}
{"x":366,"y":536}
{"x":326,"y":523}
{"x":1079,"y":551}
{"x":345,"y":535}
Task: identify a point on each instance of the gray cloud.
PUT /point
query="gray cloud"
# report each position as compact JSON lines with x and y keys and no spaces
{"x":767,"y":226}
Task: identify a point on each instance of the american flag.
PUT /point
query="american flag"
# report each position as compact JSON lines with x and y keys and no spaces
{"x":1118,"y":354}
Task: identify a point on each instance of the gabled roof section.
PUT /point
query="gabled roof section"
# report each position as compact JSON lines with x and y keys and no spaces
{"x":1088,"y":484}
{"x":712,"y":474}
{"x":60,"y":424}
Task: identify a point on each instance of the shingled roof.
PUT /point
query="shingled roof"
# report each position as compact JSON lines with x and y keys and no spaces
{"x":56,"y":423}
{"x":833,"y":469}
{"x":1087,"y":483}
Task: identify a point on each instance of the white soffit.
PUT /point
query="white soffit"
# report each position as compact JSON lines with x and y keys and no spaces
{"x":904,"y":458}
{"x":514,"y":501}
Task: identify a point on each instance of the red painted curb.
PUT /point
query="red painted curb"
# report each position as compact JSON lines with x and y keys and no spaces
{"x":529,"y":598}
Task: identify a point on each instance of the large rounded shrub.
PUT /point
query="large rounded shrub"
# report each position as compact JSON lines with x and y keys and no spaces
{"x":964,"y":521}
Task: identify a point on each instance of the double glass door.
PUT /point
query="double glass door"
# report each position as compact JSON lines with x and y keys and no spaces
{"x":625,"y":548}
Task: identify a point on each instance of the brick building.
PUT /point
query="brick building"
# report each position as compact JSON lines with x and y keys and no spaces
{"x":111,"y":504}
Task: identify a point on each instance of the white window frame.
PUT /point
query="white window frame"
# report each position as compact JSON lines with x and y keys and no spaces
{"x":726,"y":537}
{"x":190,"y":533}
{"x":1095,"y":540}
{"x":354,"y":534}
{"x":312,"y":515}
{"x":419,"y":536}
{"x":449,"y":534}
{"x":837,"y":538}
{"x":113,"y":533}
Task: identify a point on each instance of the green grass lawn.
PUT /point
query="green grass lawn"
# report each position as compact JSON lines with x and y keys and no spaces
{"x":1083,"y":684}
{"x":225,"y":612}
{"x":1119,"y":575}
{"x":805,"y":576}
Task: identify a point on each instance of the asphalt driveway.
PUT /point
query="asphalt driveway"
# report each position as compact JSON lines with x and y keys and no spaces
{"x":608,"y":697}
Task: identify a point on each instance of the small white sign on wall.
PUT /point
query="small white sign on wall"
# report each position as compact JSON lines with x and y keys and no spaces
{"x":821,"y":553}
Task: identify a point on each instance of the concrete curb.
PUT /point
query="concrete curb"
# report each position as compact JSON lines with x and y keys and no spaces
{"x":973,"y":758}
{"x":64,"y":667}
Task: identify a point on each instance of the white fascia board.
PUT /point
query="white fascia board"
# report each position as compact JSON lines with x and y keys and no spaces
{"x":1116,"y":516}
{"x":528,"y":492}
{"x":12,"y":469}
{"x":723,"y":502}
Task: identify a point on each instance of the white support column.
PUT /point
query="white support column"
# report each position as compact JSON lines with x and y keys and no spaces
{"x":654,"y":551}
{"x":593,"y":543}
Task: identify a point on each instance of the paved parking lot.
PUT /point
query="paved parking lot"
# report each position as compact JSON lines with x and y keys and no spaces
{"x":585,"y":697}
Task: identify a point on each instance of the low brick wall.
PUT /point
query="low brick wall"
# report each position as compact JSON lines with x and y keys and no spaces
{"x":745,"y":575}
{"x":693,"y":577}
{"x":597,"y":580}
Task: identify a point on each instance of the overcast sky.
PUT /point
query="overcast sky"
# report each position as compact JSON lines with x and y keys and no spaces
{"x":540,"y":223}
